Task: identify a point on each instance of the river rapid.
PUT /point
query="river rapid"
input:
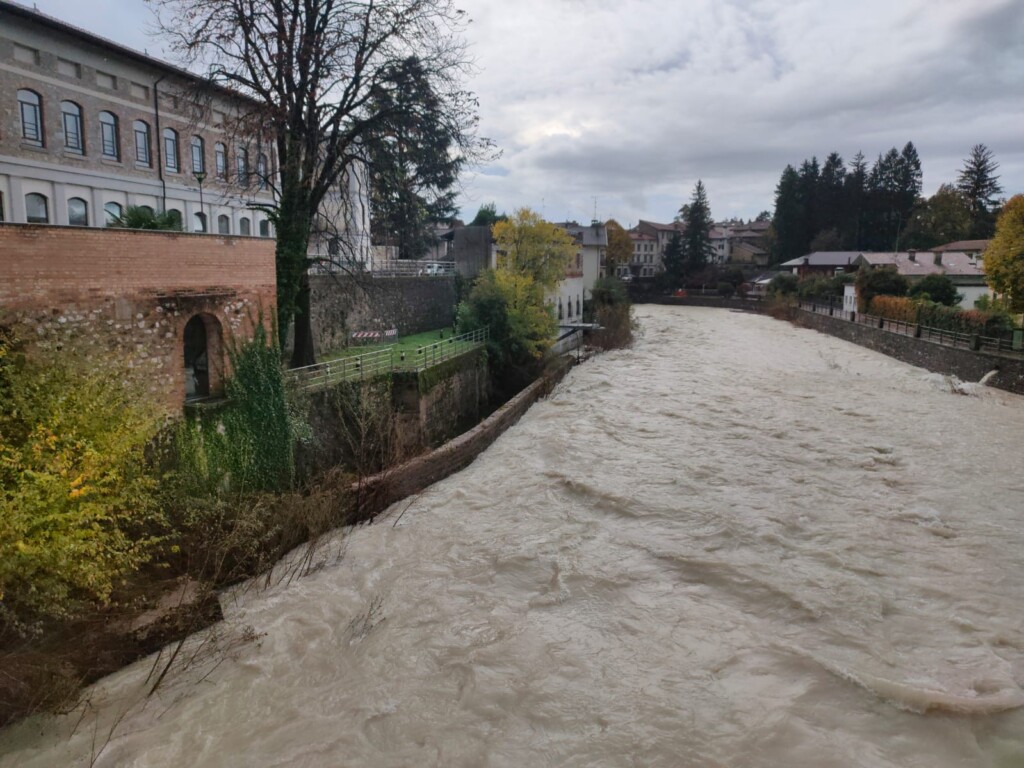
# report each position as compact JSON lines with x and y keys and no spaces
{"x":737,"y":544}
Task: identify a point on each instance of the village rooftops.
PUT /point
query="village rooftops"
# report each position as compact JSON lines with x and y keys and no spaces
{"x":967,"y":246}
{"x":911,"y":264}
{"x":824,"y":259}
{"x":590,"y":234}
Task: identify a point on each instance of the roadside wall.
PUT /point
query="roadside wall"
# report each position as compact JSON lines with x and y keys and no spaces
{"x":962,"y":363}
{"x":133,"y":291}
{"x":342,"y":304}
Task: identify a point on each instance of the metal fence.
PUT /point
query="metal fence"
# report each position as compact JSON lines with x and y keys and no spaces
{"x":383,"y":361}
{"x":412,"y":268}
{"x":1000,"y":345}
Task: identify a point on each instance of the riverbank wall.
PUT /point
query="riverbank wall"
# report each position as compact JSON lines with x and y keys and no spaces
{"x":965,"y":364}
{"x":384,"y":489}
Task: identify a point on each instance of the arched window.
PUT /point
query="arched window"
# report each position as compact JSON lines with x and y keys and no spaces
{"x":244,"y":226}
{"x":261,"y":170}
{"x":242,"y":167}
{"x":171,"y":150}
{"x":31,"y":107}
{"x":148,"y":209}
{"x":175,"y":216}
{"x":71,"y":120}
{"x":113,"y":213}
{"x":561,"y":313}
{"x":78,"y":212}
{"x":224,"y":224}
{"x":141,"y":130}
{"x":220,"y":156}
{"x":198,"y":155}
{"x":109,"y":136}
{"x":265,"y":228}
{"x":578,"y":309}
{"x":199,"y":222}
{"x":36,"y":209}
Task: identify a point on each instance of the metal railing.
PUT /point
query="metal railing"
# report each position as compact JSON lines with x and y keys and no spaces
{"x":973,"y":341}
{"x":432,"y":354}
{"x":383,"y":361}
{"x":412,"y":268}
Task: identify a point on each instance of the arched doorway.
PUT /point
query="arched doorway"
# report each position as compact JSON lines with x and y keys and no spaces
{"x":197,"y":360}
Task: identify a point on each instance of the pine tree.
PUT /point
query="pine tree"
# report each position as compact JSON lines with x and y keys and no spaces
{"x":697,"y":235}
{"x":788,"y":217}
{"x":810,"y":177}
{"x":855,"y":191}
{"x":675,"y":266}
{"x":980,"y":186}
{"x":831,"y":193}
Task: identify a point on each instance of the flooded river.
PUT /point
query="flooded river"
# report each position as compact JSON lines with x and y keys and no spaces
{"x":737,"y":544}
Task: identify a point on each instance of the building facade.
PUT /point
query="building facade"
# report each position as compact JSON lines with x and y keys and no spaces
{"x":89,"y":128}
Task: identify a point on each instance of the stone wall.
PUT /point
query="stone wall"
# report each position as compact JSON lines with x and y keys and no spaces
{"x":133,"y":291}
{"x":344,"y":304}
{"x":962,"y":363}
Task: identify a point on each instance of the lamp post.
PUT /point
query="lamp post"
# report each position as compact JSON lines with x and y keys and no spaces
{"x":201,"y":177}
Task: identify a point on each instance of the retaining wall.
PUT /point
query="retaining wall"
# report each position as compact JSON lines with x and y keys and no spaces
{"x":951,"y":361}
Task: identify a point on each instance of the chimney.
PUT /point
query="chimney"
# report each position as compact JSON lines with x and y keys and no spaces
{"x":912,"y":254}
{"x":938,"y":258}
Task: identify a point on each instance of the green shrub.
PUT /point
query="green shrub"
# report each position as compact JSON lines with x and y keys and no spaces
{"x":784,"y":284}
{"x":141,"y":217}
{"x":78,"y":512}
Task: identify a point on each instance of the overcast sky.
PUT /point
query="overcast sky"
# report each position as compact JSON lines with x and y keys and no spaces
{"x":629,"y":102}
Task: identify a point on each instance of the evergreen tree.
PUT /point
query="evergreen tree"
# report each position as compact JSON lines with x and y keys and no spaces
{"x":787,"y":221}
{"x":854,"y":197}
{"x":945,"y":217}
{"x":831,"y":193}
{"x":980,"y":186}
{"x":810,"y":177}
{"x":908,"y":181}
{"x":675,"y":265}
{"x":697,"y":248}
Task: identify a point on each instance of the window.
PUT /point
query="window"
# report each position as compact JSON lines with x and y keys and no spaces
{"x":261,"y":171}
{"x":245,"y":226}
{"x":224,"y":224}
{"x":69,"y":68}
{"x":171,"y":150}
{"x":78,"y":212}
{"x":198,"y":156}
{"x":106,"y":81}
{"x":26,"y":55}
{"x":141,"y":142}
{"x":71,"y":119}
{"x":36,"y":210}
{"x":113,"y":212}
{"x":31,"y":116}
{"x":242,"y":167}
{"x":199,"y":222}
{"x":220,"y":156}
{"x":175,"y":215}
{"x":140,"y":92}
{"x":109,"y":137}
{"x":148,"y":209}
{"x":265,"y":228}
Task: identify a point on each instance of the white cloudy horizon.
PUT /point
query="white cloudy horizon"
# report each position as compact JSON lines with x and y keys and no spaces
{"x":619,"y":107}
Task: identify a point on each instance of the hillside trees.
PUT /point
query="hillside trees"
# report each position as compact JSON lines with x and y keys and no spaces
{"x":320,"y":72}
{"x":1004,"y":257}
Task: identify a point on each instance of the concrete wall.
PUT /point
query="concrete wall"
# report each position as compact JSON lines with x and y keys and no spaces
{"x":342,"y":304}
{"x":134,"y":291}
{"x":962,"y":363}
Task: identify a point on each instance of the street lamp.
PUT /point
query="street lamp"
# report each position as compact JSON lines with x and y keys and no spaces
{"x":201,"y":177}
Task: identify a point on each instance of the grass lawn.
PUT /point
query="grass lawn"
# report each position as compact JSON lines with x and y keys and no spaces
{"x":408,"y":344}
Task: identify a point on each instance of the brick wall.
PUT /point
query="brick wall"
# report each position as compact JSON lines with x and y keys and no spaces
{"x":134,"y":291}
{"x":343,"y":304}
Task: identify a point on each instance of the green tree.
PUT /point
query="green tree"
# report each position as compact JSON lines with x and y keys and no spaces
{"x":1004,"y":257}
{"x":831,"y":193}
{"x":697,"y":250}
{"x":620,"y":247}
{"x":529,"y":245}
{"x":675,"y":264}
{"x":487,"y":216}
{"x":881,"y":281}
{"x":944,"y":217}
{"x":980,"y":186}
{"x":413,"y":159}
{"x":937,"y":288}
{"x":788,"y":219}
{"x":319,"y":71}
{"x":855,"y":198}
{"x":143,"y":217}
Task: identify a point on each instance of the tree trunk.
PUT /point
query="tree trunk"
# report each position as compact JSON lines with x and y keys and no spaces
{"x":303,"y":352}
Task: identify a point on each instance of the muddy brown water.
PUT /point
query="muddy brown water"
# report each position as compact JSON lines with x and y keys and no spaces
{"x":738,"y":544}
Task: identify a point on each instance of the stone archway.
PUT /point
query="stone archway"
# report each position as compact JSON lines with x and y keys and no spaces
{"x":203,"y":362}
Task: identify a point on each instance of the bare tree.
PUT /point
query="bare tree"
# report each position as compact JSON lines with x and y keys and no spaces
{"x":318,"y":70}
